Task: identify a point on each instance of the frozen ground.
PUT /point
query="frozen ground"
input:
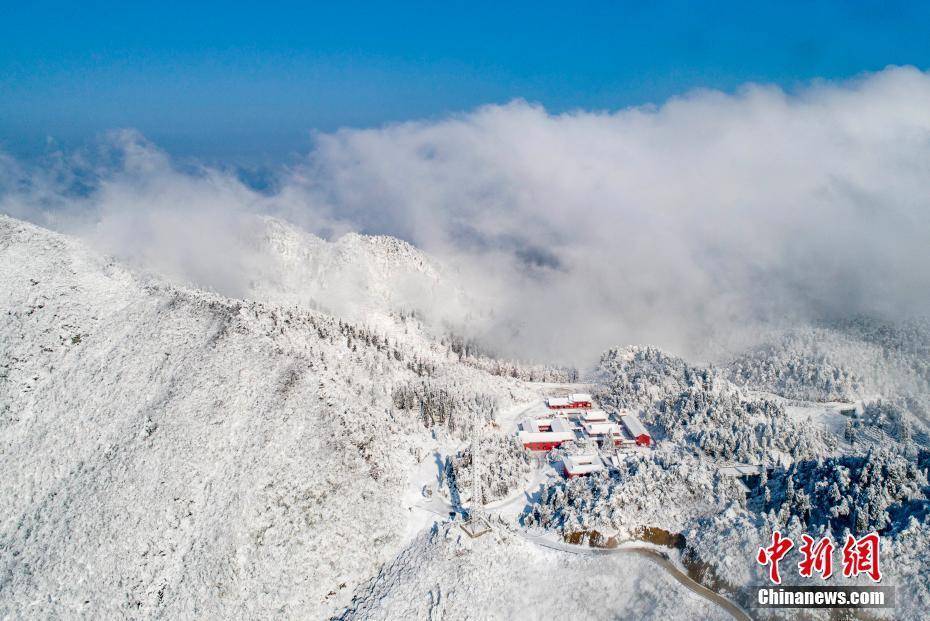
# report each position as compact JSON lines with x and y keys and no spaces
{"x":171,"y":453}
{"x":447,"y":575}
{"x":168,"y":452}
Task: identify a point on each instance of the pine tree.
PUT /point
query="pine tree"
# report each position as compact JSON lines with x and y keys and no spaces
{"x":849,"y":433}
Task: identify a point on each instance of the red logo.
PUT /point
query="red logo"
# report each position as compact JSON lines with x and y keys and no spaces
{"x":817,"y":557}
{"x":860,"y":556}
{"x":774,"y":553}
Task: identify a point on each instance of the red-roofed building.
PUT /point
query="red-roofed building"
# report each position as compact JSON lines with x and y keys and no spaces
{"x":575,"y":401}
{"x":580,"y":400}
{"x":635,"y":429}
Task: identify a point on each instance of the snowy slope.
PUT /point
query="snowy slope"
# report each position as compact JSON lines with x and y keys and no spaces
{"x":356,"y":277}
{"x":172,"y":453}
{"x":446,"y":575}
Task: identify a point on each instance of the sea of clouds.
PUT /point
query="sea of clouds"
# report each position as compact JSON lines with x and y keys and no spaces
{"x":686,"y":224}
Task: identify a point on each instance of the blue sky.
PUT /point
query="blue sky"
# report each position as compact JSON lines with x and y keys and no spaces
{"x":251,"y":82}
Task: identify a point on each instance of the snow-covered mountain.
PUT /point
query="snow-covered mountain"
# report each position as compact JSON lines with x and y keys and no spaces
{"x":170,"y":452}
{"x":356,"y":277}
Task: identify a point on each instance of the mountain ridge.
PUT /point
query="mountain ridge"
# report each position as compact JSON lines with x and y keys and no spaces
{"x":179,"y":453}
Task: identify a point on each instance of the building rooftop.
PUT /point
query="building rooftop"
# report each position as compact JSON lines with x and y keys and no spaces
{"x":595,"y":416}
{"x":576,"y":397}
{"x":601,"y":428}
{"x":632,"y":424}
{"x":582,"y":464}
{"x":561,"y":424}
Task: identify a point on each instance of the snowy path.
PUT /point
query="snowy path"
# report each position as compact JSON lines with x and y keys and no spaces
{"x":442,"y":509}
{"x":653,"y":555}
{"x":515,"y":504}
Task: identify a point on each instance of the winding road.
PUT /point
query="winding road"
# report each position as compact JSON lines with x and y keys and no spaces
{"x":656,"y":557}
{"x":442,"y":509}
{"x":517,"y":503}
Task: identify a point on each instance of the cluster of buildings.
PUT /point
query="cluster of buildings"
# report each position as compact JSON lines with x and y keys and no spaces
{"x":574,"y":418}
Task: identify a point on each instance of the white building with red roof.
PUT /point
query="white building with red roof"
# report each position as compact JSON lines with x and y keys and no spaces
{"x":574,"y":401}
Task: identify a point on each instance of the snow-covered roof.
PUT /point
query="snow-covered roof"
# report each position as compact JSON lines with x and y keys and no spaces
{"x":529,"y":424}
{"x":633,"y":425}
{"x":557,"y":429}
{"x":599,"y":429}
{"x":577,"y":397}
{"x":582,"y":464}
{"x":561,"y":424}
{"x":526,"y":437}
{"x":557,"y":402}
{"x":594,"y":416}
{"x":541,"y":425}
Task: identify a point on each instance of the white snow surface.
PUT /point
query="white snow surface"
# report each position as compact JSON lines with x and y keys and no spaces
{"x":173,"y":453}
{"x":356,"y":277}
{"x":447,"y":575}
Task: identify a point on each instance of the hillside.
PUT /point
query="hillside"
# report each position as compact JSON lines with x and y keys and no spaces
{"x":445,"y":575}
{"x":170,"y":452}
{"x":355,"y":277}
{"x":173,"y":453}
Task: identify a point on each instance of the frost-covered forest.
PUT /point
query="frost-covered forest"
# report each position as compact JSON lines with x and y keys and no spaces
{"x":701,"y":408}
{"x":504,"y":466}
{"x":170,"y":452}
{"x":662,"y":490}
{"x":835,"y":420}
{"x":446,"y":404}
{"x":845,"y":361}
{"x":876,"y":492}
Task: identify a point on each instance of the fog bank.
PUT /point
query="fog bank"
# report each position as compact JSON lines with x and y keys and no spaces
{"x":674,"y":225}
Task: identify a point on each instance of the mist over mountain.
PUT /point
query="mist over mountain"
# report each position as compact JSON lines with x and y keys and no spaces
{"x":687,"y":225}
{"x":171,"y":452}
{"x":465,"y":311}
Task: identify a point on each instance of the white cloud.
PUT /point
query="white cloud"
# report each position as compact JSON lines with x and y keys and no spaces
{"x":663,"y":225}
